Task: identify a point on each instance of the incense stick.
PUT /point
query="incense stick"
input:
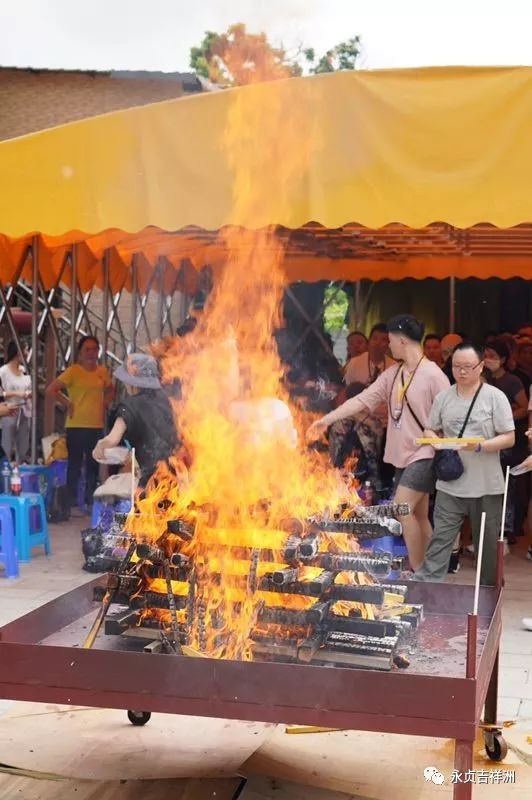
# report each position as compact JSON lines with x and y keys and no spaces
{"x":504,"y":501}
{"x":479,"y":561}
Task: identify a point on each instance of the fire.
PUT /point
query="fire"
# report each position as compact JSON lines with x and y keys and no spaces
{"x":250,"y":469}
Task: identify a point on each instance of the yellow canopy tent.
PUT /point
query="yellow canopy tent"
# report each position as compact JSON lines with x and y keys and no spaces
{"x":434,"y":151}
{"x":412,"y":173}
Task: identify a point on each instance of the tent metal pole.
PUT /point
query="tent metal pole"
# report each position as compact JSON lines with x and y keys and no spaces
{"x":160,"y":299}
{"x":452,"y":303}
{"x":134,"y":291}
{"x":34,"y":345}
{"x":73,"y":303}
{"x":105,"y":304}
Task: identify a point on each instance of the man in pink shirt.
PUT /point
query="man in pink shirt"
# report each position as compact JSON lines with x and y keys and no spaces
{"x":409,"y":389}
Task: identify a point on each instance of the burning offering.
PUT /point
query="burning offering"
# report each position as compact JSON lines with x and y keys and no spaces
{"x":252,"y":550}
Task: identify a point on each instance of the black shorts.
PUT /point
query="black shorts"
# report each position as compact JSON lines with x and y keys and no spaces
{"x":418,"y":476}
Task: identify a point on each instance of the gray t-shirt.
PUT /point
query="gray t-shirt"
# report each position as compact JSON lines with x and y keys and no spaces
{"x":491,"y":415}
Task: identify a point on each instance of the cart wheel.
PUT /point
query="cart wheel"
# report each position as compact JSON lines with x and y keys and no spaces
{"x":496,"y":747}
{"x":139,"y":717}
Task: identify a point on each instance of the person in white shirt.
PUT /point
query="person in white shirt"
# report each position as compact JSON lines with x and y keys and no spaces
{"x":367,"y":367}
{"x":16,"y":385}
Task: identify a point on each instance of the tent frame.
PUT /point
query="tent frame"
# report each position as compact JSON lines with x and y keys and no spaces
{"x":46,"y":333}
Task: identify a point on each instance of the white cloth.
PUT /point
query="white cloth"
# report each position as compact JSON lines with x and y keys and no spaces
{"x":361,"y":369}
{"x":16,"y":383}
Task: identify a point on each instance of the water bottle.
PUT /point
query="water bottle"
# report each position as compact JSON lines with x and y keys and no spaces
{"x":6,"y":477}
{"x":16,"y":482}
{"x":367,"y":494}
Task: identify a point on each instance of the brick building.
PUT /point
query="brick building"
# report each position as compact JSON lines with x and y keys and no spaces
{"x":34,"y":99}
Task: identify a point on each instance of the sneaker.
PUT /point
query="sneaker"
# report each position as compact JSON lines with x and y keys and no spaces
{"x":527,"y":623}
{"x":470,"y":548}
{"x":529,"y":554}
{"x":454,"y":562}
{"x":507,"y":550}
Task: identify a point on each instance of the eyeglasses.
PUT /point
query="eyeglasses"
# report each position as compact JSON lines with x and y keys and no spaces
{"x":466,"y":368}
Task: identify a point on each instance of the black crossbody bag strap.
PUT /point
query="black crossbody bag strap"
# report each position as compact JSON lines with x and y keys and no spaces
{"x":470,"y":409}
{"x":473,"y":401}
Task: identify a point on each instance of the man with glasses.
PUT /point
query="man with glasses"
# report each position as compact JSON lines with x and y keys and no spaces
{"x":480,"y":488}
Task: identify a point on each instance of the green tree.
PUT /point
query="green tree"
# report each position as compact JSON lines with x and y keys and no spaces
{"x":343,"y":56}
{"x":237,"y":57}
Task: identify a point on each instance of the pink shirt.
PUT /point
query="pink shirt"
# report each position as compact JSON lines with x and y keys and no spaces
{"x":428,"y":382}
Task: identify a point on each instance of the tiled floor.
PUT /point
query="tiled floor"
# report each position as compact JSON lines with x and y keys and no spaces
{"x":45,"y":578}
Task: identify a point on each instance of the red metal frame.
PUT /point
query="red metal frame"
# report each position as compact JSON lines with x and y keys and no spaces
{"x":389,"y":702}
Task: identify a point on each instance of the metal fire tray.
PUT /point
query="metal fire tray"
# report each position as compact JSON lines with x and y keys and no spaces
{"x":451,"y":676}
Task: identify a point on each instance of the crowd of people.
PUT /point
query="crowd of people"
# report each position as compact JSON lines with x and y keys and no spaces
{"x":404,"y":386}
{"x":399,"y":386}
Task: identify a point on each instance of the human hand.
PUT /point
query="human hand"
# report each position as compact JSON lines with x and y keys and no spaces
{"x":7,"y":411}
{"x":526,"y":464}
{"x":316,"y":430}
{"x":529,"y":433}
{"x":472,"y":447}
{"x":98,"y":453}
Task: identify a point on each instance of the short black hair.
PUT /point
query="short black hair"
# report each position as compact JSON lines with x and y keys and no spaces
{"x":357,"y":333}
{"x":408,"y":325}
{"x":478,"y":349}
{"x":380,"y":327}
{"x":85,"y":339}
{"x":431,"y":336}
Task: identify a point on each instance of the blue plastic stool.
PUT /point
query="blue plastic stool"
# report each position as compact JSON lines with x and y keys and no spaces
{"x":8,"y":550}
{"x":103,"y":513}
{"x":35,"y":479}
{"x":31,"y":527}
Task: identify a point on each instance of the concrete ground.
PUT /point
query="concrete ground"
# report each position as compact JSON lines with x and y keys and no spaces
{"x":282,"y":766}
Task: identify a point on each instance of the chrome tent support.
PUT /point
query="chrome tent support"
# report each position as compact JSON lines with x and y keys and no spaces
{"x":73,"y":302}
{"x":34,"y":345}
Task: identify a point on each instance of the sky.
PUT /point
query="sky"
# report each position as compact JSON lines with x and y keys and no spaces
{"x":158,"y":34}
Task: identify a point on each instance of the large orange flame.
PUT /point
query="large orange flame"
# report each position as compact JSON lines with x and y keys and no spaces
{"x":248,"y":473}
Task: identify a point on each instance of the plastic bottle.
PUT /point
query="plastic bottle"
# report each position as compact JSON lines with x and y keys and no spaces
{"x":16,"y":482}
{"x":368,"y":494}
{"x":5,"y":476}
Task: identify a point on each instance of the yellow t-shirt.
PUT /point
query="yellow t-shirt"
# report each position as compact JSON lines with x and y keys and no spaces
{"x":86,"y":391}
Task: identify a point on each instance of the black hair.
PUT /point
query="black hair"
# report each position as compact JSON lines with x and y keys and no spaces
{"x":408,"y":325}
{"x":430,"y":337}
{"x":500,"y":347}
{"x":357,"y":333}
{"x":380,"y":327}
{"x":352,"y":389}
{"x":85,"y":339}
{"x":12,"y":351}
{"x":478,"y":349}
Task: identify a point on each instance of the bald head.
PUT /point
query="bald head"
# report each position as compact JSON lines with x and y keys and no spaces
{"x":448,"y":344}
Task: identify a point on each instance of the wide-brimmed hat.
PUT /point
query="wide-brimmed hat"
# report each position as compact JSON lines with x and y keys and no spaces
{"x":139,"y":370}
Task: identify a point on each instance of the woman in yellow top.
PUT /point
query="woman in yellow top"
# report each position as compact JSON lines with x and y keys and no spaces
{"x":89,"y":390}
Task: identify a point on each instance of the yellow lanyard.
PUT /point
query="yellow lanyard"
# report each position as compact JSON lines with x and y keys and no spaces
{"x":403,"y":387}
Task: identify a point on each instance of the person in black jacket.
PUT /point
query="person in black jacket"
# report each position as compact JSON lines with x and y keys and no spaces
{"x":144,"y":419}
